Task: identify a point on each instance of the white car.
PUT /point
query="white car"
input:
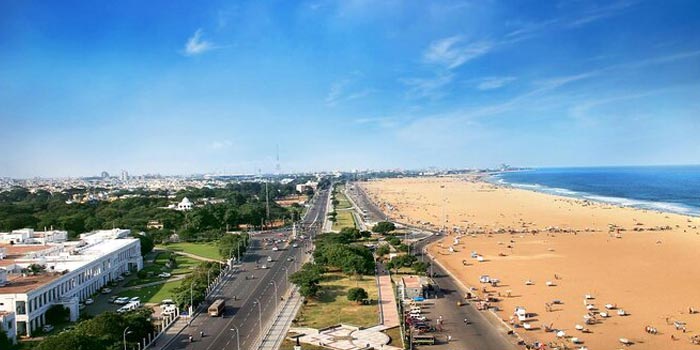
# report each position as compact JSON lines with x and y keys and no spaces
{"x":269,"y":259}
{"x":106,"y":290}
{"x":164,"y":275}
{"x":47,"y":328}
{"x":89,"y":301}
{"x":167,"y":302}
{"x":135,"y":299}
{"x":274,"y":249}
{"x":121,"y":300}
{"x":295,"y":245}
{"x":418,"y":317}
{"x":263,"y":267}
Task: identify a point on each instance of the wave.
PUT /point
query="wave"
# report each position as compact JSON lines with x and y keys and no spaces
{"x":619,"y":201}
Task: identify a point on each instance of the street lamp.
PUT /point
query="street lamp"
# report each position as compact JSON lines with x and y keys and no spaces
{"x":286,"y":273}
{"x":238,"y":340}
{"x":189,"y":320}
{"x":124,"y":335}
{"x":276,"y":295}
{"x":259,"y":314}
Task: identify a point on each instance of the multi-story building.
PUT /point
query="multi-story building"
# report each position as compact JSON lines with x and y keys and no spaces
{"x":34,"y":276}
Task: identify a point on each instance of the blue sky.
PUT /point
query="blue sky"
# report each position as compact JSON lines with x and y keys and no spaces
{"x":180,"y":87}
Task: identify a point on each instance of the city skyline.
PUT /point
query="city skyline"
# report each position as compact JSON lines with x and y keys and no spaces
{"x":186,"y":88}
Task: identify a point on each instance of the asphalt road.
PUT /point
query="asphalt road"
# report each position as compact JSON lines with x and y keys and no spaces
{"x":256,"y":298}
{"x":479,"y":333}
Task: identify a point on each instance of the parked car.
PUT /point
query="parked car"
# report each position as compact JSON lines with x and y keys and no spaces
{"x":135,"y":299}
{"x":106,"y":290}
{"x":269,"y":259}
{"x":89,"y":301}
{"x":274,"y":249}
{"x":47,"y":328}
{"x":263,"y":267}
{"x":290,"y":258}
{"x":167,"y":302}
{"x":112,"y":299}
{"x":164,"y":275}
{"x":418,"y":317}
{"x":121,"y":300}
{"x":295,"y":245}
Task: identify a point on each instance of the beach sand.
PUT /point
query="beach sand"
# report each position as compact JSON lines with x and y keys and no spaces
{"x":650,"y":268}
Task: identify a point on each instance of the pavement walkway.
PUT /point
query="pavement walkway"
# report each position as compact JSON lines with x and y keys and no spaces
{"x":345,"y":337}
{"x":387,"y":298}
{"x":275,"y":335}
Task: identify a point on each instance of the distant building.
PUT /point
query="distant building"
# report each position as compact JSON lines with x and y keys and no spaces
{"x":104,"y":175}
{"x":301,"y":188}
{"x":154,"y":225}
{"x":125,"y":176}
{"x":414,"y":287}
{"x":72,"y":271}
{"x":28,"y":236}
{"x":185,"y":204}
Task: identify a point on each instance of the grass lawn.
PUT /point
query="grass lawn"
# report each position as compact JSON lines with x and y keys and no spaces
{"x":207,"y":250}
{"x":152,"y":294}
{"x":343,"y":202}
{"x":344,"y":219}
{"x":185,"y":265}
{"x":332,"y":307}
{"x":395,"y":335}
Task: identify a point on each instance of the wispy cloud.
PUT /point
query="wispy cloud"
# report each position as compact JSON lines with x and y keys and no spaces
{"x":345,"y":90}
{"x":491,"y":83}
{"x":427,"y":87}
{"x":599,"y":13}
{"x":452,"y":52}
{"x":196,"y":45}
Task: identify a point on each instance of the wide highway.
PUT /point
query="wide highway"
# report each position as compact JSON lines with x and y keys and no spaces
{"x":257,"y":291}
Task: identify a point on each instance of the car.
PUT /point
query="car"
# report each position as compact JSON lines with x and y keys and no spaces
{"x":121,"y":300}
{"x":135,"y":299}
{"x":295,"y":245}
{"x":167,"y":302}
{"x":164,"y":274}
{"x":119,"y":279}
{"x":274,"y":249}
{"x":269,"y":259}
{"x":418,"y":317}
{"x":290,"y":258}
{"x":47,"y":328}
{"x":263,"y":266}
{"x":112,"y":299}
{"x":106,"y":290}
{"x":89,"y":301}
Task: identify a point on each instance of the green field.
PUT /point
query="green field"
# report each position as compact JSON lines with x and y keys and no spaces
{"x":343,"y":202}
{"x":207,"y":250}
{"x":343,"y":219}
{"x":153,"y":294}
{"x":184,"y":265}
{"x":395,"y":335}
{"x":332,"y":306}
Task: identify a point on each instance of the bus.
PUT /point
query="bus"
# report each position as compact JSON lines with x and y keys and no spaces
{"x":424,"y":340}
{"x":216,"y":307}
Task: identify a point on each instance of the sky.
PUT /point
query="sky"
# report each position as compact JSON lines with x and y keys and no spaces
{"x":187,"y":87}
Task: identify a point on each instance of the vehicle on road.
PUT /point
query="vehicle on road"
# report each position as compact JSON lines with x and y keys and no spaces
{"x":135,"y":299}
{"x":263,"y":267}
{"x":295,"y":245}
{"x":106,"y":290}
{"x":164,"y":275}
{"x":121,"y":300}
{"x":290,"y":258}
{"x":216,"y":308}
{"x":269,"y":259}
{"x":89,"y":301}
{"x":132,"y":305}
{"x":424,"y":339}
{"x":274,"y":249}
{"x":112,"y":299}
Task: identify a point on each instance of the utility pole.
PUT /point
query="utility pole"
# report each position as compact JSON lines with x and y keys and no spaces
{"x":267,"y":203}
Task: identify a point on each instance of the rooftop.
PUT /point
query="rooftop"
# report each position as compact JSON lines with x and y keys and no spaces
{"x":411,"y":281}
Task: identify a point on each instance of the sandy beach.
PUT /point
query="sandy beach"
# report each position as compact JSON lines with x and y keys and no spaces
{"x":643,"y":262}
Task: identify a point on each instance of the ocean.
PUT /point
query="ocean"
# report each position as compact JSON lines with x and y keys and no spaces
{"x":673,"y":189}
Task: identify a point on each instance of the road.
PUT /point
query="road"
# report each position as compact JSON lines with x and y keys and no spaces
{"x":257,"y":299}
{"x":483,"y":333}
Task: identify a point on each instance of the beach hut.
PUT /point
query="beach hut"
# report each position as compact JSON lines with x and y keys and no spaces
{"x":610,"y":306}
{"x":625,"y":341}
{"x":561,"y":334}
{"x":480,"y":258}
{"x":621,"y":312}
{"x":550,"y":284}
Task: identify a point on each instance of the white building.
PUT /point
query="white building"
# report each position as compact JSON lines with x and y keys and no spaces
{"x":7,"y":325}
{"x":73,"y":271}
{"x":185,"y":204}
{"x":29,"y":236}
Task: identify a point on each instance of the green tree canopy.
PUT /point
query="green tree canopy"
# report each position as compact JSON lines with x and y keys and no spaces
{"x":357,"y":294}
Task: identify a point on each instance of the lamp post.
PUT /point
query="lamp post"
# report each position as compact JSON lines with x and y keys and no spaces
{"x":238,"y":340}
{"x":189,"y":320}
{"x":124,"y":335}
{"x":259,"y":314}
{"x":286,"y":273}
{"x":276,"y":292}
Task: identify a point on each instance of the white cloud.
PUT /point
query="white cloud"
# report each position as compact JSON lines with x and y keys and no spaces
{"x":346,"y":90}
{"x":452,"y":53}
{"x":427,"y":87}
{"x":491,"y":83}
{"x":196,"y":45}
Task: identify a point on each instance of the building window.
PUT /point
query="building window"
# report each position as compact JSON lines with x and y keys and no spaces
{"x":21,"y":307}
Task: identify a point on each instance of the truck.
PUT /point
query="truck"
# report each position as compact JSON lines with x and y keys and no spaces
{"x":216,"y":308}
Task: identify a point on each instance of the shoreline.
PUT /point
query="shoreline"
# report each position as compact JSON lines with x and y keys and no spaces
{"x":643,"y":261}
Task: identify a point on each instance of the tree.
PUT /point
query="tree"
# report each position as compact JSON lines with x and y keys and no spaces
{"x":384,"y":227}
{"x":308,"y":279}
{"x":4,"y":340}
{"x":382,"y":250}
{"x":357,"y":294}
{"x":229,"y":245}
{"x":420,"y":267}
{"x":147,"y":244}
{"x":57,"y":314}
{"x":73,"y":340}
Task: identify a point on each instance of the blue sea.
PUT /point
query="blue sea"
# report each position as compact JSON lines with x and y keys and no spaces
{"x":664,"y":188}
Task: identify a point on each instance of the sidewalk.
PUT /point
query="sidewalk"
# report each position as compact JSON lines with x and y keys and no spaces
{"x":387,"y":298}
{"x":277,"y":332}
